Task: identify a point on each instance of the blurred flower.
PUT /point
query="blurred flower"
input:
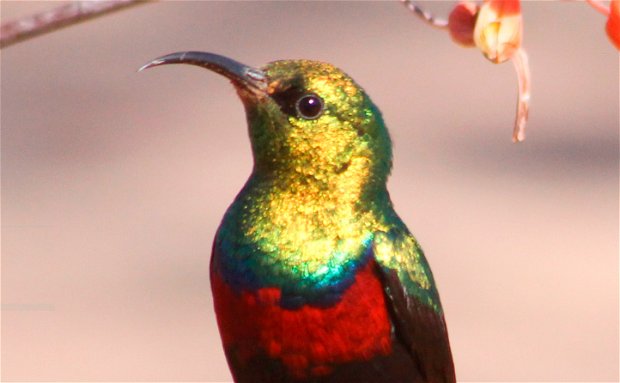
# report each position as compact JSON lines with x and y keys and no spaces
{"x":613,"y":23}
{"x":498,"y":29}
{"x":498,"y":34}
{"x":495,"y":27}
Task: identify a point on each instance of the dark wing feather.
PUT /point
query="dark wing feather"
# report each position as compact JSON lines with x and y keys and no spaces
{"x":420,"y":329}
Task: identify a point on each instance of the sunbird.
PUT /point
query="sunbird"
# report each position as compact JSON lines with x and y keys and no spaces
{"x":315,"y":278}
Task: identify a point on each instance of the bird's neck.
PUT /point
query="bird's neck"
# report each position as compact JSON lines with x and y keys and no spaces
{"x":297,"y":230}
{"x":347,"y":190}
{"x":307,"y":216}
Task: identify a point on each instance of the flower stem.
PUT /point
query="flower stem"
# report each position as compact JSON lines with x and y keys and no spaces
{"x":597,"y":5}
{"x":520,"y":61}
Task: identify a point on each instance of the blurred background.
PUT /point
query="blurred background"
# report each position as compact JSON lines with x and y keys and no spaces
{"x":114,"y":182}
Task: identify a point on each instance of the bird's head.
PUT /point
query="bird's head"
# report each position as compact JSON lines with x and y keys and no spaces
{"x":305,"y":118}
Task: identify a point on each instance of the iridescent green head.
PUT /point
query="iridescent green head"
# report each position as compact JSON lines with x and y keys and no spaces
{"x":305,"y":118}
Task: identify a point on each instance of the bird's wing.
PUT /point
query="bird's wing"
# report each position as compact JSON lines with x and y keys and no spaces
{"x":413,"y":304}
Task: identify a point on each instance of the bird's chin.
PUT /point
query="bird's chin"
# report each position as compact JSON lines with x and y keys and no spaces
{"x":249,"y":95}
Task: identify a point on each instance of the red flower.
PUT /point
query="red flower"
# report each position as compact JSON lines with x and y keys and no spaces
{"x":462,"y":22}
{"x":613,"y":23}
{"x":498,"y":29}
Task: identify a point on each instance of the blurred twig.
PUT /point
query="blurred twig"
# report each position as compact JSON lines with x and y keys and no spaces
{"x":12,"y":32}
{"x":424,"y":15}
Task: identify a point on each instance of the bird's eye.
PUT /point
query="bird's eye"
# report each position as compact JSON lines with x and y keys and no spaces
{"x":309,"y":106}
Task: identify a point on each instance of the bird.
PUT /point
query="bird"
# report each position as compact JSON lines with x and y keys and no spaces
{"x":315,"y":278}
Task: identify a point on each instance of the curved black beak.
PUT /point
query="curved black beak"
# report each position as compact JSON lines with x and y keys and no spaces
{"x":241,"y":75}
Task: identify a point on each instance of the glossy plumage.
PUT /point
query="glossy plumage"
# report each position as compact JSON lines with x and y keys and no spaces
{"x":315,"y":277}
